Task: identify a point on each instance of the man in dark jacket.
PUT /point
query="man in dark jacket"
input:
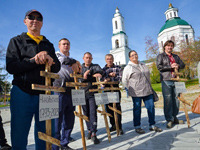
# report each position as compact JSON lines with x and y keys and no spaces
{"x":113,"y":72}
{"x":26,"y":57}
{"x":65,"y":122}
{"x":90,"y":72}
{"x":167,"y":62}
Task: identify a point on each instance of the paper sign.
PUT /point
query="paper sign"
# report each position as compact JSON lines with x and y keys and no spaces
{"x":180,"y":87}
{"x":48,"y":107}
{"x":113,"y":97}
{"x":101,"y":98}
{"x":78,"y":97}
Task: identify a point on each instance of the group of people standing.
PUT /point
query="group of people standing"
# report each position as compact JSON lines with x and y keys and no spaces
{"x":26,"y":57}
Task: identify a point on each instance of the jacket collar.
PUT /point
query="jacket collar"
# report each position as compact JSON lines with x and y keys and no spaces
{"x":27,"y":38}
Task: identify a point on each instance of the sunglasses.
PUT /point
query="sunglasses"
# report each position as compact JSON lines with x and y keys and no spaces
{"x":31,"y":17}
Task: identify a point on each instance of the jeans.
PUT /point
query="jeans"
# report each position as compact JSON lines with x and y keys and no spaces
{"x":65,"y":122}
{"x":89,"y":110}
{"x":171,"y":102}
{"x":149,"y":104}
{"x":23,"y":107}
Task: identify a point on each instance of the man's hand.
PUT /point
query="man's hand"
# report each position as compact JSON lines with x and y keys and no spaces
{"x":107,"y":80}
{"x":175,"y":65}
{"x":42,"y":57}
{"x":112,"y":74}
{"x":97,"y":75}
{"x":79,"y":66}
{"x":75,"y":67}
{"x":86,"y":74}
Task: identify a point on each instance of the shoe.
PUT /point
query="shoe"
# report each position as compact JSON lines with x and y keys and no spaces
{"x":6,"y":147}
{"x":169,"y":124}
{"x":140,"y":131}
{"x":66,"y":148}
{"x":121,"y":132}
{"x":89,"y":135}
{"x":156,"y":129}
{"x":176,"y":121}
{"x":71,"y":139}
{"x":95,"y":139}
{"x":113,"y":128}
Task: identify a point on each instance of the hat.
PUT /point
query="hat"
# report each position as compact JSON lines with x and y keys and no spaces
{"x":31,"y":11}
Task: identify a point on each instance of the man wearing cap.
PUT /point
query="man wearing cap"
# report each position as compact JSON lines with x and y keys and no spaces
{"x":26,"y":57}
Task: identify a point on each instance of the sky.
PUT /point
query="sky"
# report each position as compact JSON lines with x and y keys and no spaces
{"x":88,"y":23}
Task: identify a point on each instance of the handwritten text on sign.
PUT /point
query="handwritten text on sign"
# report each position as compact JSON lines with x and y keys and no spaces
{"x":113,"y":97}
{"x":78,"y":97}
{"x":101,"y":98}
{"x":48,"y":107}
{"x":180,"y":87}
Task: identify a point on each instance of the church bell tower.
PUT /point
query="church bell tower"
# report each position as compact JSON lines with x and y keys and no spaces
{"x":119,"y":39}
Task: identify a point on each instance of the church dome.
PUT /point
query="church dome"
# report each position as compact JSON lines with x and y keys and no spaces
{"x":173,"y":22}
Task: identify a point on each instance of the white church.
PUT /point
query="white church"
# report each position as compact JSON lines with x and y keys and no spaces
{"x":119,"y":39}
{"x":175,"y":29}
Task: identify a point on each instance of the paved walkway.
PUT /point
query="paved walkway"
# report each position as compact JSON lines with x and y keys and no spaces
{"x":180,"y":137}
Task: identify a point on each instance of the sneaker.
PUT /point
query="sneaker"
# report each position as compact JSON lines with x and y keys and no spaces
{"x":140,"y":131}
{"x":169,"y":124}
{"x":6,"y":147}
{"x":89,"y":135}
{"x":176,"y":121}
{"x":156,"y":129}
{"x":95,"y":139}
{"x":121,"y":132}
{"x":113,"y":128}
{"x":71,"y":139}
{"x":66,"y":148}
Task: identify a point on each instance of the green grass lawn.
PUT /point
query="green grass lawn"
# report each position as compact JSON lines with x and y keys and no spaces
{"x":157,"y":87}
{"x":4,"y":105}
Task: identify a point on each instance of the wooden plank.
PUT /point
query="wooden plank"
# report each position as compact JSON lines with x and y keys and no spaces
{"x":81,"y":116}
{"x":186,"y":112}
{"x":98,"y":83}
{"x":115,"y":110}
{"x":48,"y":138}
{"x":105,"y":89}
{"x":73,"y":84}
{"x":48,"y":122}
{"x":104,"y":113}
{"x":180,"y":79}
{"x":76,"y":75}
{"x":47,"y":88}
{"x":49,"y":74}
{"x":184,"y":101}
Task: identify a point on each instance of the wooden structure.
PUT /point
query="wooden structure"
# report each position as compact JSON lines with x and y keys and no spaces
{"x":180,"y":97}
{"x":48,"y":88}
{"x":103,"y":112}
{"x":79,"y":114}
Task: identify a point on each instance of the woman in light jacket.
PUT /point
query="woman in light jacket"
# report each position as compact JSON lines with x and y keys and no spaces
{"x":136,"y":78}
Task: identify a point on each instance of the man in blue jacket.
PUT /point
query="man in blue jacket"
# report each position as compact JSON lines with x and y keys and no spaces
{"x":26,"y":56}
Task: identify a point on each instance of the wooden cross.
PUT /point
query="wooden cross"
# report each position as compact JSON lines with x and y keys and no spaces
{"x":79,"y":114}
{"x":177,"y":74}
{"x":103,"y":112}
{"x":48,"y":88}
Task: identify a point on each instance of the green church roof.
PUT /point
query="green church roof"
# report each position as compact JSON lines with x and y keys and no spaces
{"x":173,"y":22}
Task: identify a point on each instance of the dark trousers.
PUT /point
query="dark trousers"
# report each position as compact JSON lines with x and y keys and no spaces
{"x":112,"y":119}
{"x":2,"y":134}
{"x":89,"y":110}
{"x":171,"y":102}
{"x":65,"y":122}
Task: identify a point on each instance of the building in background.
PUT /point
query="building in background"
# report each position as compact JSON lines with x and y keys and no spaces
{"x":175,"y":29}
{"x":119,"y":40}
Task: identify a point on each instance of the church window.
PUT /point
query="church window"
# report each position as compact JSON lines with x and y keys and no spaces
{"x":116,"y":24}
{"x":167,"y":17}
{"x":174,"y":14}
{"x":119,"y":62}
{"x":173,"y":38}
{"x":126,"y":42}
{"x":186,"y":38}
{"x":170,"y":14}
{"x":117,"y":44}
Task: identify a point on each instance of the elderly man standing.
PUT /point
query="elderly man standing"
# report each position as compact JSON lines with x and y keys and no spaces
{"x":65,"y":122}
{"x":167,"y":62}
{"x":112,"y":72}
{"x":26,"y":57}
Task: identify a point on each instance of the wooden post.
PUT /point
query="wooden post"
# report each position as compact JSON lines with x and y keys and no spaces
{"x":48,"y":88}
{"x":181,"y":96}
{"x":76,"y":84}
